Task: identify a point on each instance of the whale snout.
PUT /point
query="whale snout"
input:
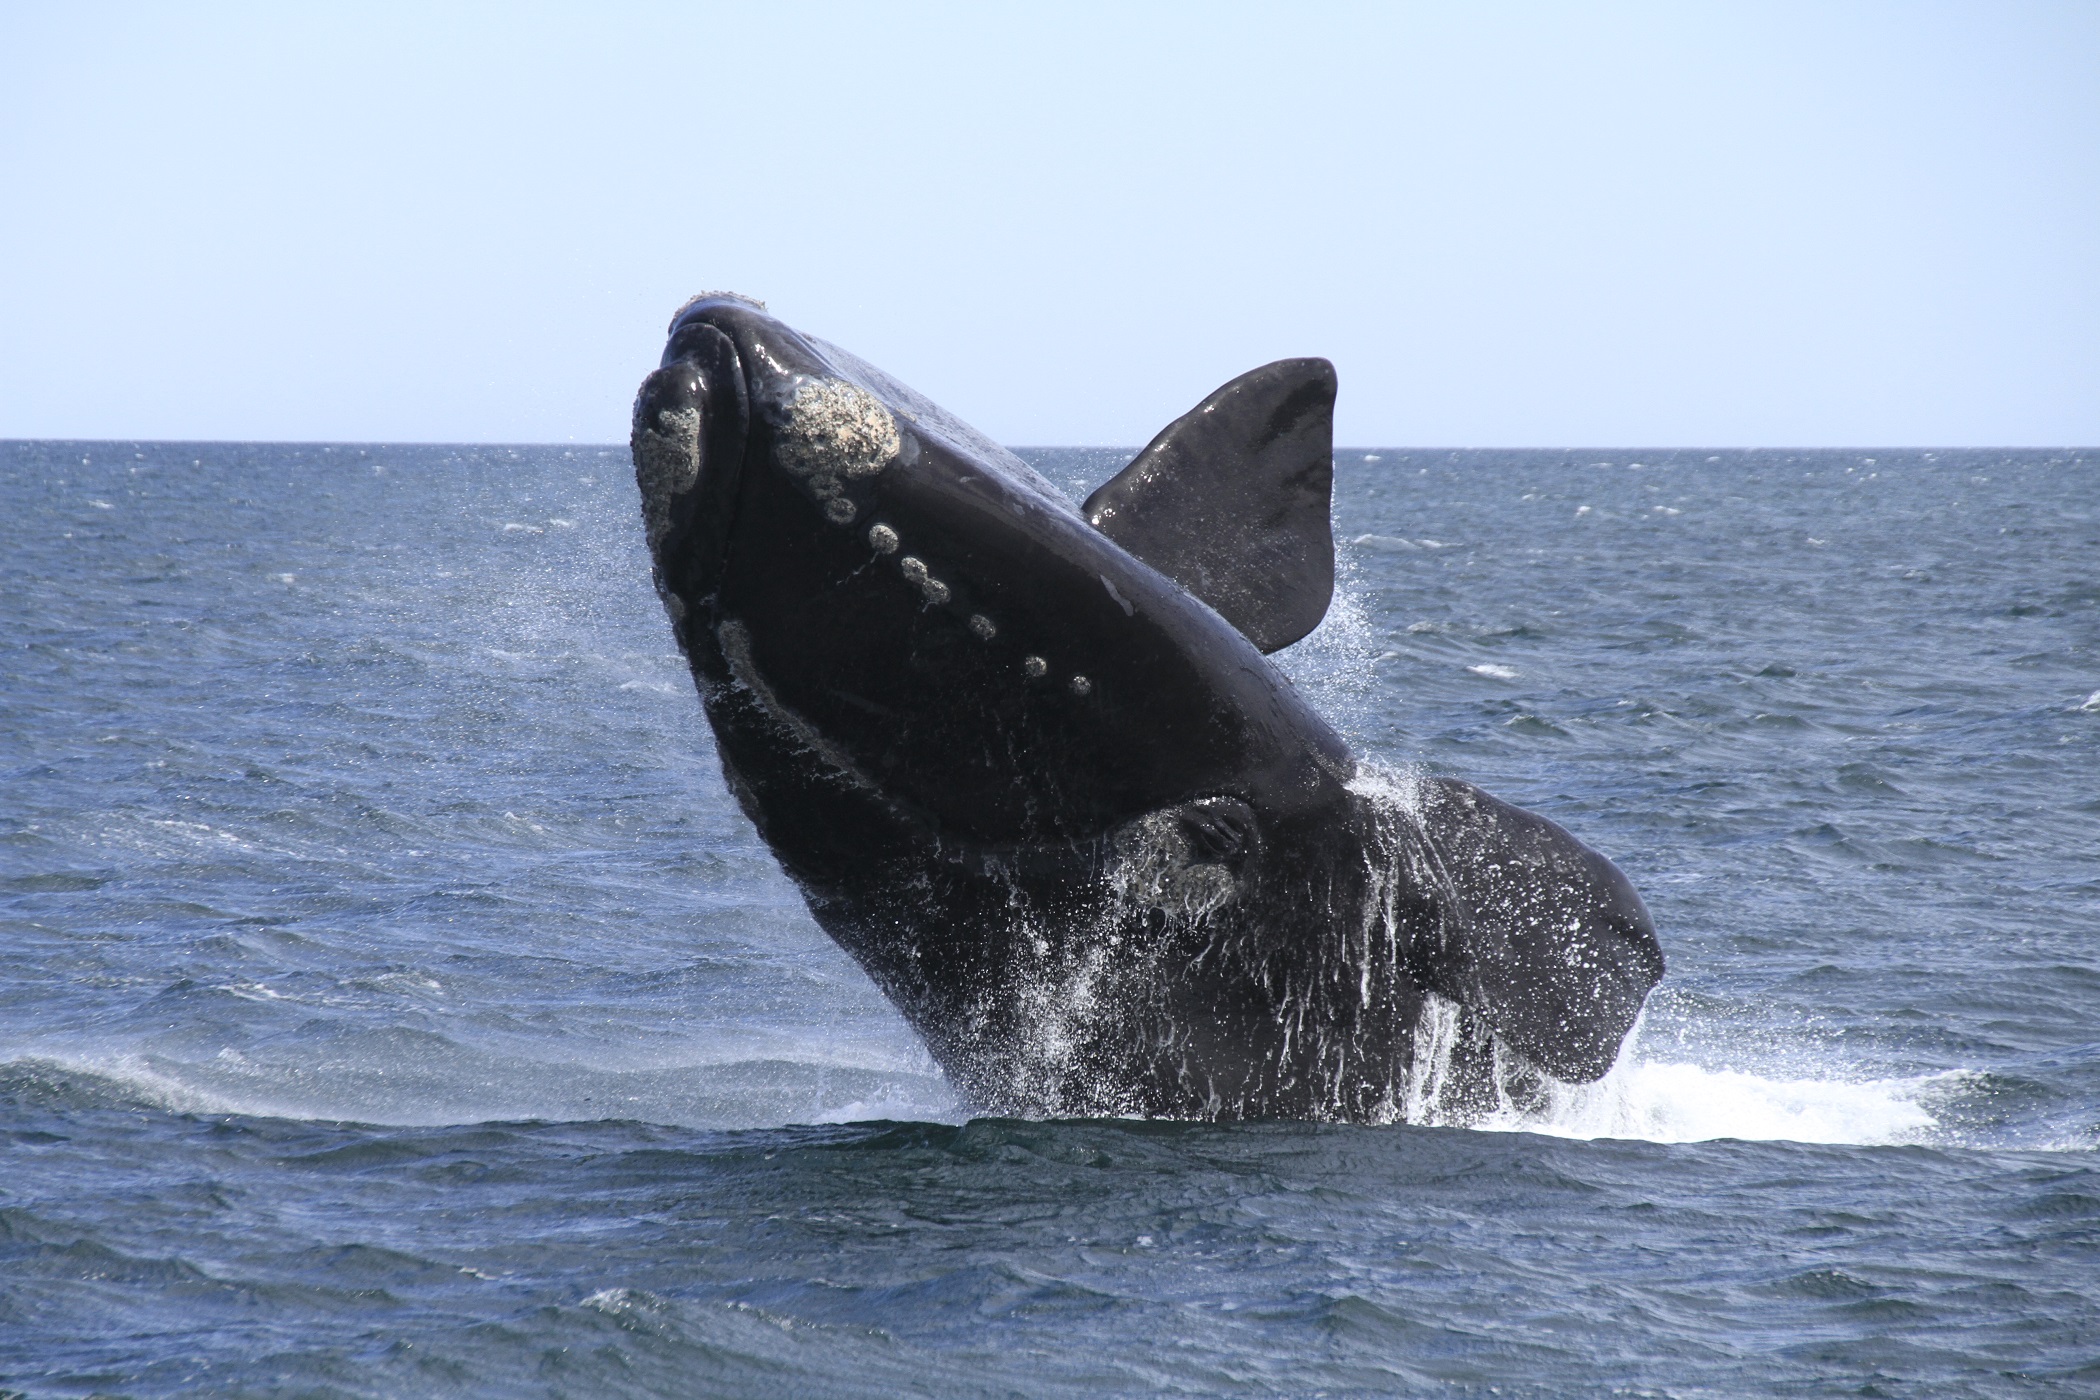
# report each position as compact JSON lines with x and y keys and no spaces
{"x":668,"y":411}
{"x":691,"y":422}
{"x":797,"y":419}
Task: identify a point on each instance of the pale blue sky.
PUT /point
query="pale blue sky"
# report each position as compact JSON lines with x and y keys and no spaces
{"x":1507,"y":224}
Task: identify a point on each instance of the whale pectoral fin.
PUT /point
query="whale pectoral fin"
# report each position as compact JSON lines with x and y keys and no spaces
{"x":1232,"y":501}
{"x":1539,"y":934}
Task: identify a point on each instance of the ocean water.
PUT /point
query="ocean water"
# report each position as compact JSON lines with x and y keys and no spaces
{"x":394,"y":1003}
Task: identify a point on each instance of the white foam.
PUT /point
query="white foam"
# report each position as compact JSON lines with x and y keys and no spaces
{"x":1654,"y":1100}
{"x":1494,"y":672}
{"x":1657,"y":1101}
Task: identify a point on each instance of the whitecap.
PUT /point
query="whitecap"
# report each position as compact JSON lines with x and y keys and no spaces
{"x":1400,"y":542}
{"x":1659,"y":1101}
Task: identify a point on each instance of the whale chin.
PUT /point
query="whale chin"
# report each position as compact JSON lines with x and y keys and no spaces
{"x":1030,"y":766}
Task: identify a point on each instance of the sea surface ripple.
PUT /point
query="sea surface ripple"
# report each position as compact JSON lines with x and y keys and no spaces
{"x":396,"y":1003}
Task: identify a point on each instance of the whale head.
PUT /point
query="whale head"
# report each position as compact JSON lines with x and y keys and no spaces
{"x":926,"y":617}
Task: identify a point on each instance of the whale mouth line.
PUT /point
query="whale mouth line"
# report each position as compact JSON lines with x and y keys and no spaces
{"x":735,"y":641}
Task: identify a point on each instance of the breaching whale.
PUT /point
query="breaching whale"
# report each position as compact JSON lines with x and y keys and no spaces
{"x":1031,"y":767}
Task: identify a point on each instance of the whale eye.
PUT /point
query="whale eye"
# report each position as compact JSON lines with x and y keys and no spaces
{"x":1218,"y":828}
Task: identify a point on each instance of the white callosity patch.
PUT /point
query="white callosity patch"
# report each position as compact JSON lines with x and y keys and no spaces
{"x":832,"y":432}
{"x":915,"y":572}
{"x":983,"y":627}
{"x":882,"y":539}
{"x":666,"y":465}
{"x":698,"y":297}
{"x":930,"y":418}
{"x":1080,"y":685}
{"x":1034,"y":667}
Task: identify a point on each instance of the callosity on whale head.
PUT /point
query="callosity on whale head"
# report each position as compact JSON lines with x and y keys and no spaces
{"x":1031,"y":768}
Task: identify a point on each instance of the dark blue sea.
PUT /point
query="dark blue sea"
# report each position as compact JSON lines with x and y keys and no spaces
{"x":394,"y":1003}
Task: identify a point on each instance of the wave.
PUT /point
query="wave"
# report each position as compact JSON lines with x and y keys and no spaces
{"x":1643,"y":1099}
{"x":464,"y":1087}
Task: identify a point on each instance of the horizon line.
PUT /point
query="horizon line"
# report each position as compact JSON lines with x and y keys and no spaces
{"x":1660,"y":448}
